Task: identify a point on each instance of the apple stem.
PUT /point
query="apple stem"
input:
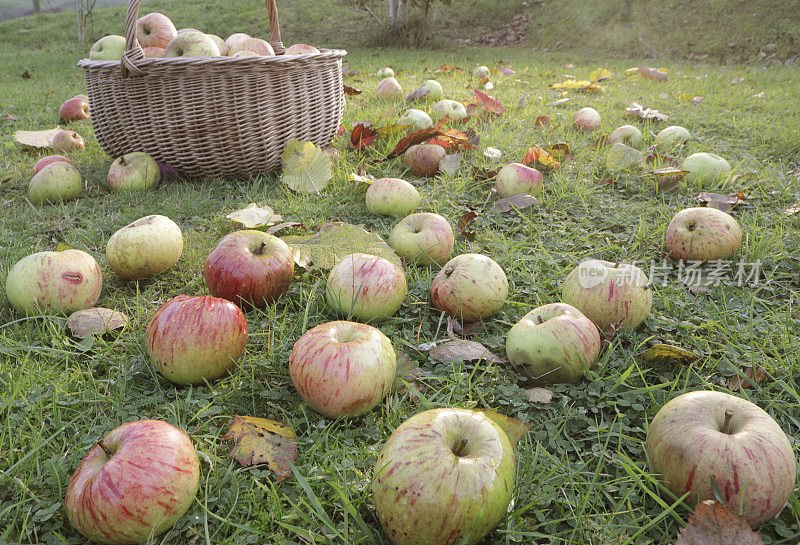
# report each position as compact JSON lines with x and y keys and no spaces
{"x":107,"y":450}
{"x":122,"y":160}
{"x":460,"y":446}
{"x":260,"y":249}
{"x":616,"y":264}
{"x":448,"y":271}
{"x":726,"y":426}
{"x":539,"y":319}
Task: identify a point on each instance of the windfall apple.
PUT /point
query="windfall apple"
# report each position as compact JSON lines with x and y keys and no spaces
{"x":470,"y":287}
{"x":135,"y":171}
{"x":57,"y":181}
{"x":145,"y":247}
{"x":74,"y":109}
{"x":587,"y":119}
{"x":392,"y":197}
{"x":67,"y":141}
{"x":423,"y":159}
{"x":423,"y":238}
{"x":703,"y":234}
{"x":516,"y":178}
{"x":367,"y":287}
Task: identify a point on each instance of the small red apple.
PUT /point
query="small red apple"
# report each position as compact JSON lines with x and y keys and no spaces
{"x":44,"y":161}
{"x":74,"y":109}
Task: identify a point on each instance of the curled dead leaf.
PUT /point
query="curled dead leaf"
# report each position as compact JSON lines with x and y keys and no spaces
{"x":713,"y":524}
{"x":749,"y":380}
{"x":515,"y":202}
{"x":539,"y":395}
{"x":36,"y":139}
{"x":719,"y":201}
{"x":351,"y":91}
{"x":253,"y":216}
{"x":281,"y":226}
{"x":259,"y":440}
{"x":661,"y":353}
{"x":463,"y":222}
{"x":96,"y":321}
{"x":541,"y":122}
{"x":462,"y":350}
{"x":658,"y":74}
{"x":637,"y":110}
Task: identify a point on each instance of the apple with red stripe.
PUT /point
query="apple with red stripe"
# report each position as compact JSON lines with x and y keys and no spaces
{"x":366,"y":286}
{"x":470,"y":287}
{"x":134,"y":484}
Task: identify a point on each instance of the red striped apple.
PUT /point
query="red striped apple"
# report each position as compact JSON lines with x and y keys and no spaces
{"x":470,"y":287}
{"x":155,"y":30}
{"x":516,"y":178}
{"x":145,"y":247}
{"x":587,"y":119}
{"x":703,"y":234}
{"x":44,"y":161}
{"x":191,"y":44}
{"x":424,"y":238}
{"x":74,"y":109}
{"x":366,"y":286}
{"x":392,"y":197}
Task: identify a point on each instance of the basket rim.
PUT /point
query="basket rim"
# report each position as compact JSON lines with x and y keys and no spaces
{"x":272,"y":59}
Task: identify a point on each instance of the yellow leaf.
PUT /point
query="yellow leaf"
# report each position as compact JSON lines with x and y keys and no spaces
{"x":36,"y":139}
{"x":259,"y":440}
{"x":582,"y":85}
{"x":253,"y":216}
{"x":600,"y":74}
{"x":335,"y":240}
{"x":306,"y":168}
{"x":664,"y":352}
{"x":515,"y":429}
{"x":95,"y":321}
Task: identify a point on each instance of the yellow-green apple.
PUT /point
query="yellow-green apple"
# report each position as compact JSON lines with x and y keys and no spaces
{"x":452,"y":108}
{"x":392,"y":197}
{"x":416,"y":118}
{"x":301,"y":49}
{"x":434,"y":88}
{"x":155,"y":30}
{"x":135,"y":171}
{"x":182,"y":30}
{"x":58,"y":181}
{"x":609,"y":293}
{"x":444,"y":477}
{"x":553,"y":343}
{"x":385,"y":72}
{"x":221,"y":45}
{"x":108,"y":48}
{"x":626,"y":134}
{"x":672,"y":137}
{"x":194,"y":339}
{"x":703,"y":234}
{"x":235,"y":40}
{"x":470,"y":287}
{"x":704,"y":435}
{"x":54,"y":281}
{"x":145,"y":247}
{"x":481,"y":72}
{"x":621,"y":157}
{"x":74,"y":109}
{"x":153,"y":52}
{"x":705,"y":167}
{"x":423,"y":238}
{"x":44,"y":161}
{"x":257,"y":45}
{"x":342,"y":369}
{"x":366,"y":286}
{"x":134,"y":484}
{"x":250,"y":268}
{"x":389,"y":89}
{"x":587,"y":119}
{"x":67,"y":141}
{"x":191,"y":44}
{"x":423,"y":159}
{"x":516,"y":178}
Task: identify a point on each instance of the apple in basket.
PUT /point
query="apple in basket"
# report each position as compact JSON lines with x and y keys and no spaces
{"x":301,"y":49}
{"x":235,"y":39}
{"x":224,"y":50}
{"x":256,"y":45}
{"x":153,"y":52}
{"x":155,"y":30}
{"x":108,"y":48}
{"x":191,"y":44}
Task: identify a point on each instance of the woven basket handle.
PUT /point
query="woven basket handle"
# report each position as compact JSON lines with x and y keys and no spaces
{"x":133,"y":50}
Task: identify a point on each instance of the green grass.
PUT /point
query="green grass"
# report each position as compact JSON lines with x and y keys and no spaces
{"x":582,"y":475}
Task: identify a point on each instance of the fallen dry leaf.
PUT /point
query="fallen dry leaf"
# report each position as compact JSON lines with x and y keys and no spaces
{"x":418,"y":95}
{"x":515,"y":202}
{"x":259,"y":440}
{"x":253,"y":216}
{"x":489,"y":103}
{"x":362,"y":136}
{"x":719,"y":201}
{"x":406,"y":372}
{"x":449,"y":163}
{"x":36,"y":139}
{"x":351,"y":91}
{"x":750,"y":378}
{"x":658,"y":74}
{"x":792,"y":210}
{"x":541,"y":122}
{"x":281,"y":226}
{"x":515,"y":429}
{"x":539,"y":158}
{"x":600,"y":74}
{"x":661,"y":353}
{"x":462,"y":350}
{"x":9,"y":118}
{"x":25,"y":75}
{"x":559,"y":101}
{"x":492,"y":153}
{"x":335,"y":240}
{"x":306,"y":168}
{"x":416,"y":137}
{"x":539,"y":395}
{"x":637,"y":110}
{"x":713,"y":524}
{"x":463,"y":222}
{"x":96,"y":321}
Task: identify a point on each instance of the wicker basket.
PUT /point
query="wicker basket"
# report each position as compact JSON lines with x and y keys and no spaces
{"x":217,"y":116}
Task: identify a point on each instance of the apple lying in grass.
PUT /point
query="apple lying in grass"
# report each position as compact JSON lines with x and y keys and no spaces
{"x":470,"y":287}
{"x":342,"y":369}
{"x":250,"y":268}
{"x":609,"y":293}
{"x":626,"y":134}
{"x":385,"y":72}
{"x":108,"y":48}
{"x":366,"y":286}
{"x":703,"y":234}
{"x":423,"y":159}
{"x":153,"y":52}
{"x":434,"y":88}
{"x":672,"y":137}
{"x":145,"y":247}
{"x":451,"y":108}
{"x":416,"y":118}
{"x":553,"y":343}
{"x":392,"y":197}
{"x":135,"y":171}
{"x":423,"y":238}
{"x":257,"y":45}
{"x":389,"y":89}
{"x":587,"y":119}
{"x":191,"y":44}
{"x":134,"y":484}
{"x":54,"y":281}
{"x":195,"y":339}
{"x":481,"y":72}
{"x":44,"y":161}
{"x":621,"y":157}
{"x":705,"y":168}
{"x":301,"y":49}
{"x":155,"y":30}
{"x":67,"y":141}
{"x":705,"y":435}
{"x":445,"y":476}
{"x":74,"y":109}
{"x":516,"y":178}
{"x":56,"y":182}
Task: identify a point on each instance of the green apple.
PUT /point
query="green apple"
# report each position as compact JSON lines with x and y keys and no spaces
{"x":705,"y":167}
{"x":672,"y":137}
{"x":435,"y":91}
{"x":385,"y":72}
{"x":191,"y":44}
{"x":392,"y":197}
{"x":424,"y":238}
{"x":416,"y":118}
{"x":626,"y":134}
{"x":145,"y":247}
{"x":452,"y":108}
{"x":621,"y":157}
{"x":58,"y":181}
{"x":108,"y":48}
{"x":135,"y":171}
{"x":481,"y":72}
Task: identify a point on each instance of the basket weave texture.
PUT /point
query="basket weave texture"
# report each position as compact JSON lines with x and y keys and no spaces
{"x":217,"y":116}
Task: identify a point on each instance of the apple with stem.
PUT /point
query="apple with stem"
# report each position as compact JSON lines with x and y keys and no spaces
{"x":155,"y":30}
{"x":704,"y":435}
{"x":196,"y":339}
{"x":516,"y":178}
{"x":54,"y":281}
{"x":145,"y":247}
{"x":342,"y":369}
{"x":423,"y":238}
{"x":108,"y":48}
{"x":444,"y":477}
{"x":57,"y":181}
{"x":553,"y":343}
{"x":135,"y":171}
{"x":626,"y":134}
{"x":134,"y":484}
{"x":703,"y":234}
{"x":250,"y":268}
{"x":392,"y":197}
{"x":67,"y":141}
{"x":367,"y":287}
{"x":470,"y":287}
{"x":74,"y":109}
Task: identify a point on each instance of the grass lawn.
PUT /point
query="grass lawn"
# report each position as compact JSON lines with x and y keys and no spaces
{"x":582,"y":475}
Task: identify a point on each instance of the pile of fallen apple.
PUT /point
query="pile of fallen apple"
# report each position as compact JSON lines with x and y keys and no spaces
{"x":698,"y":441}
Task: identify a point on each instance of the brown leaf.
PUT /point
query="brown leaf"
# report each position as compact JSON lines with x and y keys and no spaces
{"x":668,"y":179}
{"x":259,"y":440}
{"x":713,"y":524}
{"x":559,"y":151}
{"x":25,"y":75}
{"x":351,"y":91}
{"x":455,"y":327}
{"x":454,"y":139}
{"x":523,"y":100}
{"x":447,"y":69}
{"x":281,"y":226}
{"x":9,"y":118}
{"x":541,"y":122}
{"x":719,"y":201}
{"x":407,"y":372}
{"x":515,"y":202}
{"x":417,"y":137}
{"x":417,"y":95}
{"x":462,"y":225}
{"x":559,"y":102}
{"x":462,"y":349}
{"x":515,"y":429}
{"x":750,"y":378}
{"x":362,"y":136}
{"x":637,"y":110}
{"x":96,"y":321}
{"x":539,"y":395}
{"x":489,"y":103}
{"x":649,"y":72}
{"x":661,"y":353}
